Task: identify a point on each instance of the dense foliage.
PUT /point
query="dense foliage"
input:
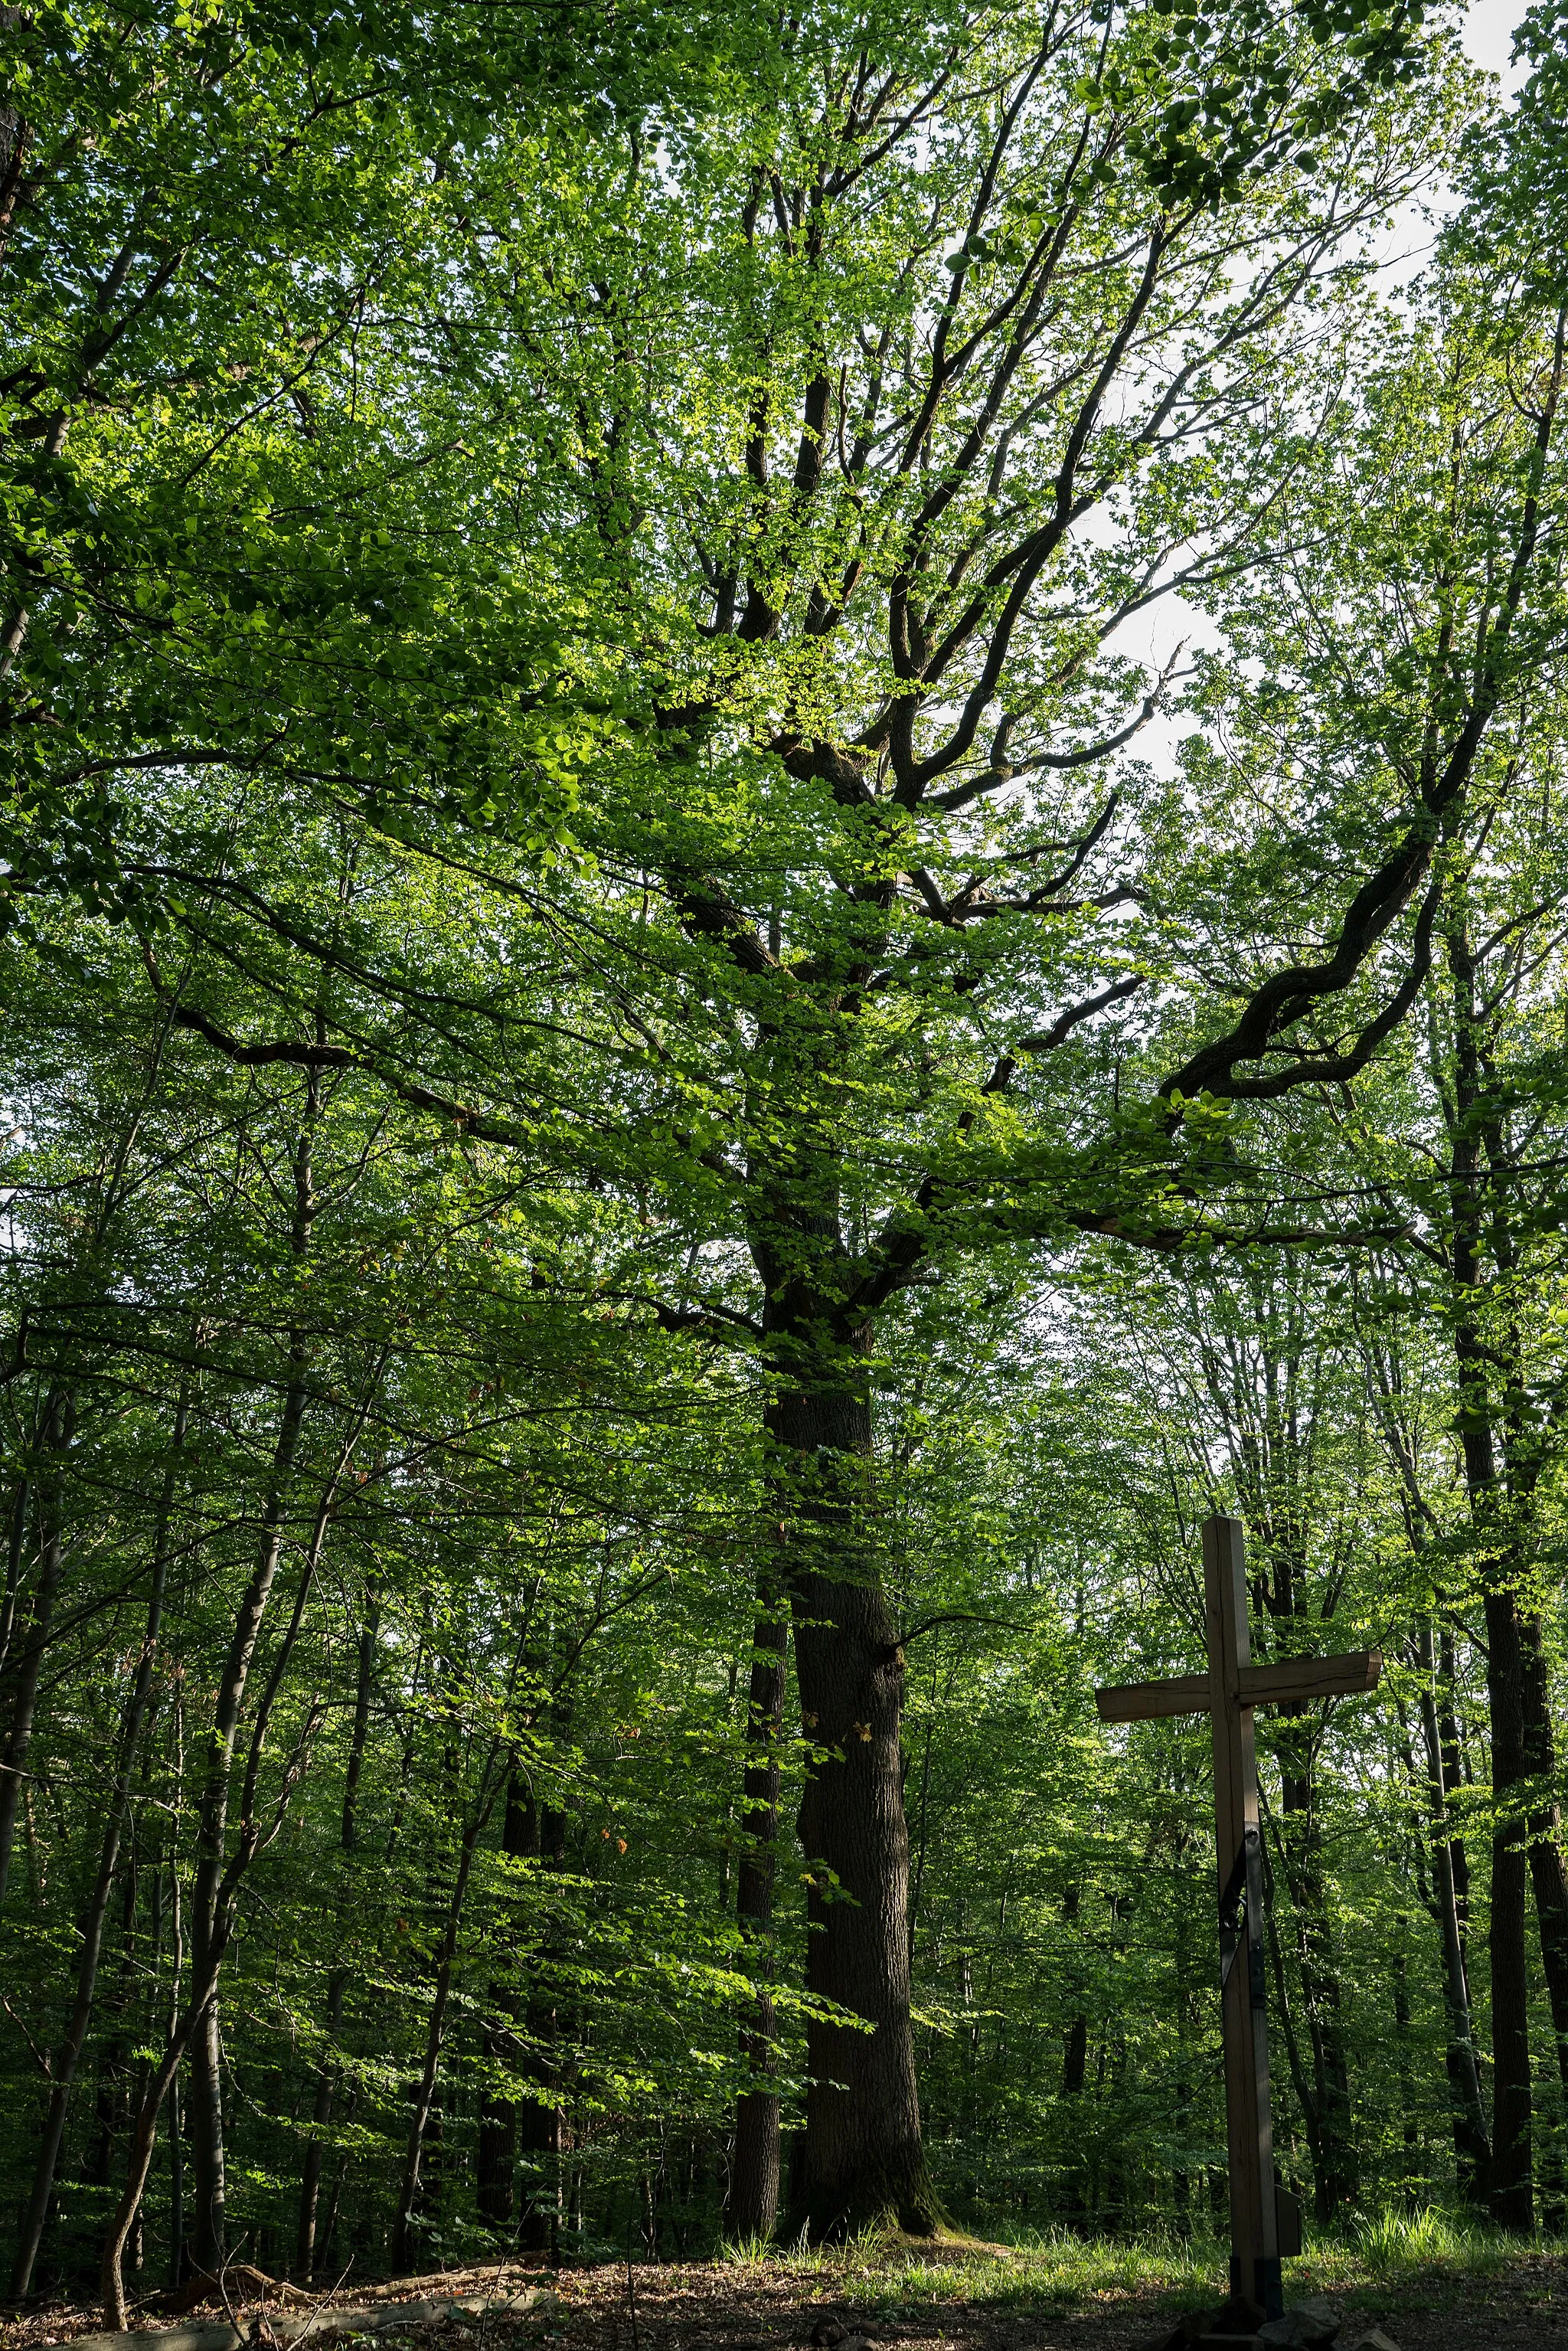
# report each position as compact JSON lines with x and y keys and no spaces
{"x":781,"y":862}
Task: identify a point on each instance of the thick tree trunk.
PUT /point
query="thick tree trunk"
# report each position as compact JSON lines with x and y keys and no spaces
{"x":865,"y":2161}
{"x":754,"y":2177}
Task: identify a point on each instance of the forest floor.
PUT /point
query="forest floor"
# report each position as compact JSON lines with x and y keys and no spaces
{"x":1429,"y":2291}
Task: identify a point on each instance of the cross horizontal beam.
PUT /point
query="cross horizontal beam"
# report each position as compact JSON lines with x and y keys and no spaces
{"x":1293,"y":1681}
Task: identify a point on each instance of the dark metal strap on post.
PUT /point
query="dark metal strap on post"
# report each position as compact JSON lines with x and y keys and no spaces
{"x":1252,"y":1849}
{"x":1246,"y":1878}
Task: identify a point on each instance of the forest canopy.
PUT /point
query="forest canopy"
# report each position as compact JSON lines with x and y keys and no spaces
{"x":780,"y":862}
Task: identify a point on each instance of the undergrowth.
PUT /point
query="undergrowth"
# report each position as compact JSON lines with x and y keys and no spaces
{"x":1394,"y":2257}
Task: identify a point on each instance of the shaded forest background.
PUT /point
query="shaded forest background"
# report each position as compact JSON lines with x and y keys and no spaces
{"x":782,"y":860}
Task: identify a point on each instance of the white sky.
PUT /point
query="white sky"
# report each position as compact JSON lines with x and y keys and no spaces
{"x":1488,"y":35}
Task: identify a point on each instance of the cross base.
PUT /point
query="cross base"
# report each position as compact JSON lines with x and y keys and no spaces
{"x":1266,"y":2286}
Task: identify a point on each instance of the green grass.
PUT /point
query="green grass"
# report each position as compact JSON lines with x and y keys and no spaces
{"x":1399,"y":2260}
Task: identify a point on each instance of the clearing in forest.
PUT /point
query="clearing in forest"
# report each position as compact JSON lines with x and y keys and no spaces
{"x":1428,"y":2289}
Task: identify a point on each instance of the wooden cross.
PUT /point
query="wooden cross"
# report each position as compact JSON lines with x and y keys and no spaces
{"x":1228,"y":1693}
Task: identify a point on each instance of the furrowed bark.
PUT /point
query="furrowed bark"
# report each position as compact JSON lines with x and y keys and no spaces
{"x":865,"y":2161}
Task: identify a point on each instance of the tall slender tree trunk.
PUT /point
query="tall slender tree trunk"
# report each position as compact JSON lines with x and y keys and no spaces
{"x":541,"y":2120}
{"x":1513,"y":2202}
{"x":144,"y":2132}
{"x":1511,"y":2192}
{"x":204,"y":2116}
{"x":405,"y":2226}
{"x":496,"y":2151}
{"x":754,"y":2178}
{"x":176,"y":2187}
{"x":865,"y":2160}
{"x":33,"y":1621}
{"x":70,"y":2051}
{"x":176,"y":1994}
{"x":204,"y":2099}
{"x":204,"y":1974}
{"x":495,"y":2162}
{"x":1472,"y":2148}
{"x":219,"y":1873}
{"x":16,"y":1545}
{"x":337,"y":1982}
{"x":1335,"y":2173}
{"x":1548,"y":1880}
{"x":1075,"y":2042}
{"x":320,"y":2115}
{"x":1522,"y":1456}
{"x":206,"y":2109}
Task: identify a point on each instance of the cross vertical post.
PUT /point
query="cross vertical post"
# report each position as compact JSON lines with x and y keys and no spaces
{"x":1254,"y":2221}
{"x":1228,"y":1693}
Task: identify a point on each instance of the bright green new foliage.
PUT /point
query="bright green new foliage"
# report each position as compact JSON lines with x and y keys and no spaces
{"x":780,"y":862}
